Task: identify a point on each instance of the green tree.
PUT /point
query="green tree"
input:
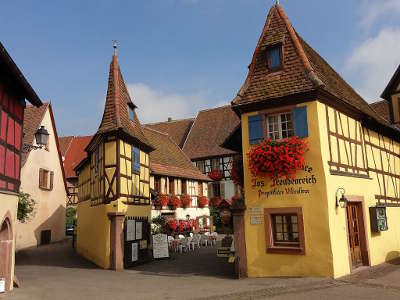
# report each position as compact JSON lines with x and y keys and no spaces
{"x":70,"y":215}
{"x":26,"y":207}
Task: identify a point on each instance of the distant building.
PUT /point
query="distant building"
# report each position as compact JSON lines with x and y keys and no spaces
{"x":42,"y":176}
{"x":14,"y":89}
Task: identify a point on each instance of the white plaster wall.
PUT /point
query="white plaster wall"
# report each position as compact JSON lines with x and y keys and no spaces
{"x":50,"y":207}
{"x":180,"y":213}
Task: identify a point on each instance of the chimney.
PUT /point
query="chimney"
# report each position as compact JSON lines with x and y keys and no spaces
{"x":169,"y":119}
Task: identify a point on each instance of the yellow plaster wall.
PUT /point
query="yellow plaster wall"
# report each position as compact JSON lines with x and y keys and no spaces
{"x":382,"y":246}
{"x":93,"y":233}
{"x":317,"y":260}
{"x":9,"y":203}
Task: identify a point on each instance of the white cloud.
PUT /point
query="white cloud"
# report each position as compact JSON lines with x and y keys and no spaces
{"x":374,"y":61}
{"x":372,"y":10}
{"x":157,"y":105}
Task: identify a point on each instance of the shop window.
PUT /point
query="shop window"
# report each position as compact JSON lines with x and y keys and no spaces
{"x":278,"y":125}
{"x":274,"y":58}
{"x":46,"y":178}
{"x":135,"y":159}
{"x":284,"y":230}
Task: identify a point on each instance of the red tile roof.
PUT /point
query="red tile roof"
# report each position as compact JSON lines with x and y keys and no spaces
{"x":209,"y":130}
{"x":33,"y":117}
{"x":176,"y":129}
{"x":382,"y":108}
{"x":65,"y":142}
{"x":75,"y":153}
{"x":116,"y":110}
{"x":304,"y":70}
{"x":168,"y":159}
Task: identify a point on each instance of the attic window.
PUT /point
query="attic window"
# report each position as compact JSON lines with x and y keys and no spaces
{"x":274,"y":58}
{"x":131,"y":113}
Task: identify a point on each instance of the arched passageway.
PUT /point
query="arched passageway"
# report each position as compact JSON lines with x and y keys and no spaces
{"x":6,"y":238}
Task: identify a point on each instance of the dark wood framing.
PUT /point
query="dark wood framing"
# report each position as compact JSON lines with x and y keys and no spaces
{"x":269,"y":236}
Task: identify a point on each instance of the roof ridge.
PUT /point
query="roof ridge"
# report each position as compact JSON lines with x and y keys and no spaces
{"x":215,"y":108}
{"x":189,"y":132}
{"x":168,"y":122}
{"x":157,"y":131}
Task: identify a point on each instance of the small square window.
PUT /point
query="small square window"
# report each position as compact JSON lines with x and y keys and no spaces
{"x":274,"y":58}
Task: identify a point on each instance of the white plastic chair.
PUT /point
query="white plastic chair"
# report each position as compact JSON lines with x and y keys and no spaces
{"x":181,"y":236}
{"x":204,"y":240}
{"x":170,"y":241}
{"x":214,"y":237}
{"x":196,"y":241}
{"x":191,"y":234}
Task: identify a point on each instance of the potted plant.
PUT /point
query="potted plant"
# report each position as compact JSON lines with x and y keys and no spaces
{"x":186,"y":200}
{"x":162,"y":200}
{"x":202,"y":201}
{"x":174,"y":202}
{"x":172,"y":224}
{"x":277,"y":159}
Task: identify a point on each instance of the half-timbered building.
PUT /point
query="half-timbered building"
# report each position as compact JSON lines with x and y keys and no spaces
{"x":14,"y":90}
{"x":342,"y":210}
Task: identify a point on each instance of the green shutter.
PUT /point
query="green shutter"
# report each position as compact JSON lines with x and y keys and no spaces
{"x":300,"y":122}
{"x":255,"y":129}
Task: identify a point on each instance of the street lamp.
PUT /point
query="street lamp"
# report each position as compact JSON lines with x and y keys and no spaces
{"x":41,"y":138}
{"x":342,"y":201}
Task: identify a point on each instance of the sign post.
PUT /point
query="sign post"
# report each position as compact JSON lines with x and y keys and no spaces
{"x":160,"y":246}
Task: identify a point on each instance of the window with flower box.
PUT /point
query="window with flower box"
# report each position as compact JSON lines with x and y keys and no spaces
{"x":284,"y":230}
{"x":279,"y":126}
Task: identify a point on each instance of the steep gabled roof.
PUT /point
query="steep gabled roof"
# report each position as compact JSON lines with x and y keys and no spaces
{"x":392,"y":85}
{"x":176,"y":129}
{"x":12,"y":71}
{"x":116,"y":110}
{"x":382,"y":108}
{"x":75,"y":153}
{"x":65,"y":142}
{"x":304,"y":71}
{"x":168,"y":159}
{"x":33,"y":117}
{"x":209,"y":130}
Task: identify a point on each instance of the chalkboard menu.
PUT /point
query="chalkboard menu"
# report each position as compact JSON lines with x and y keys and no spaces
{"x":160,"y":246}
{"x":378,"y":218}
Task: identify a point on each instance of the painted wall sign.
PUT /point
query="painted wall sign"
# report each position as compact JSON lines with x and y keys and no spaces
{"x":285,"y":186}
{"x":160,"y":246}
{"x":130,"y":230}
{"x":135,"y":252}
{"x":255,"y":214}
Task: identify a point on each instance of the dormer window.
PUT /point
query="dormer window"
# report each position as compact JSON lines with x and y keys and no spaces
{"x":274,"y":58}
{"x":131,"y":113}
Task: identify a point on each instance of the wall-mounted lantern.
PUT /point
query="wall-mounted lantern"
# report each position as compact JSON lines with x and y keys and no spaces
{"x":341,"y":200}
{"x":41,"y":138}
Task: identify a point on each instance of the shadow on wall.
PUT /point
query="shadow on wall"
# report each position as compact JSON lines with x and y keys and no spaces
{"x":393,"y":257}
{"x":53,"y":228}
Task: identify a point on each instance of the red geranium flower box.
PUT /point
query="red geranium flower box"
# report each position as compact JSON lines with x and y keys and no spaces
{"x":277,"y":159}
{"x":174,"y":202}
{"x":186,"y":200}
{"x":172,"y":224}
{"x":162,"y":200}
{"x":202,"y":201}
{"x":215,"y":175}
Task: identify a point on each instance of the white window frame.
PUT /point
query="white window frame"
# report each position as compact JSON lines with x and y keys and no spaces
{"x":279,"y":118}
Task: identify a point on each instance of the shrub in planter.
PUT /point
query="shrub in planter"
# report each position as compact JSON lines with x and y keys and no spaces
{"x":162,"y":200}
{"x":215,"y":175}
{"x":276,"y":159}
{"x":174,"y":202}
{"x":186,"y":200}
{"x":202,"y":201}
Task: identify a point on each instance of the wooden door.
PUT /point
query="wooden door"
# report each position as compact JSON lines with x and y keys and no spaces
{"x":353,"y":219}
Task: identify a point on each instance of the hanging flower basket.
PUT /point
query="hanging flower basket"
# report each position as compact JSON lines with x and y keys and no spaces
{"x":161,"y":201}
{"x":172,"y":224}
{"x":174,"y":202}
{"x":215,"y":201}
{"x":276,"y":159}
{"x":202,"y":201}
{"x":215,"y":175}
{"x":186,"y":200}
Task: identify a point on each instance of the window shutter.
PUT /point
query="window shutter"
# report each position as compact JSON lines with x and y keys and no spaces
{"x":51,"y":180}
{"x":255,"y":129}
{"x":300,"y":122}
{"x":40,"y":178}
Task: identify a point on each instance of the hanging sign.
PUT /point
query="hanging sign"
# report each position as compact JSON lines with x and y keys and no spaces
{"x":255,"y":214}
{"x":130,"y":230}
{"x":160,"y":246}
{"x":135,"y":252}
{"x":139,"y":227}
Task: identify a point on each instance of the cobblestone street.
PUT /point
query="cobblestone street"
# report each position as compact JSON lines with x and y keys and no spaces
{"x":56,"y":272}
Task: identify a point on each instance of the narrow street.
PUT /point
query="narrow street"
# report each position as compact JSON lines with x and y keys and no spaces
{"x":56,"y":272}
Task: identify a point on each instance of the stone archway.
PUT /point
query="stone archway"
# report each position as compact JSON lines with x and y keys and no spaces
{"x":6,"y":242}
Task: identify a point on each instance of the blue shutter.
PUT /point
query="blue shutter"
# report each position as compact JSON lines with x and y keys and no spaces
{"x":135,"y":159}
{"x":300,"y":122}
{"x":255,"y":129}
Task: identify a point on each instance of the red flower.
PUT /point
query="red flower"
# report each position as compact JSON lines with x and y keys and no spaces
{"x":172,"y":224}
{"x":277,"y":158}
{"x":186,"y":200}
{"x":202,"y":201}
{"x":162,"y":200}
{"x":215,"y":175}
{"x":174,"y":202}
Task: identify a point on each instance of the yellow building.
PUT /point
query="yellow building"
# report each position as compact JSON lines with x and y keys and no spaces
{"x":113,"y":190}
{"x":342,"y":210}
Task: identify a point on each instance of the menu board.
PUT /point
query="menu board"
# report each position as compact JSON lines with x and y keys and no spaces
{"x":160,"y":246}
{"x":135,"y":252}
{"x":139,"y":230}
{"x":130,"y":230}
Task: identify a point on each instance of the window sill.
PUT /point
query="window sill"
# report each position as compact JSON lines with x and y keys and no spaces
{"x":286,"y":250}
{"x":45,"y":189}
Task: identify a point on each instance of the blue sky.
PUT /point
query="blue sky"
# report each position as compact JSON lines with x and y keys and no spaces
{"x":179,"y":56}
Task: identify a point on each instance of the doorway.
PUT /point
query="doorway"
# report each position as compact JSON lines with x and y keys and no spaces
{"x":359,"y":255}
{"x":6,"y":239}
